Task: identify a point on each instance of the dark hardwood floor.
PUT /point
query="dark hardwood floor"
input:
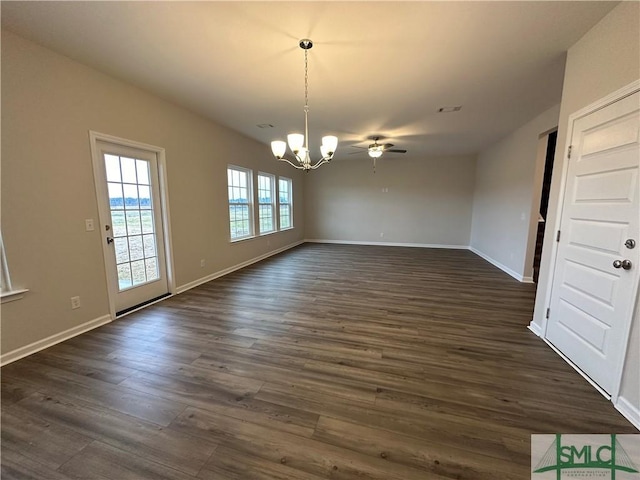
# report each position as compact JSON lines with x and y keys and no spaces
{"x":327,"y":361}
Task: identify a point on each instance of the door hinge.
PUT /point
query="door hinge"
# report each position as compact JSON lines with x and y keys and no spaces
{"x":569,"y":151}
{"x":548,"y":312}
{"x":558,"y":236}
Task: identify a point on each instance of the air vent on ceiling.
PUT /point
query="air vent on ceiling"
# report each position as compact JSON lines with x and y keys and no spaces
{"x":264,"y":125}
{"x":450,"y":109}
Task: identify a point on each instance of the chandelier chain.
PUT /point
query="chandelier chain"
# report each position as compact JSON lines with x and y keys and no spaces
{"x":306,"y":81}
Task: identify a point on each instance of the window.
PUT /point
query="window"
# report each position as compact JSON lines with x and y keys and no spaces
{"x":240,"y":204}
{"x":5,"y":280}
{"x":266,"y":203}
{"x":285,"y":200}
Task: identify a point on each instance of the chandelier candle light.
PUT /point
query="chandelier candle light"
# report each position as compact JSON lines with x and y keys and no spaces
{"x":298,"y":143}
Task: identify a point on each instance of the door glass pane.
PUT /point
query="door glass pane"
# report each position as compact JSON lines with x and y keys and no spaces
{"x":149,"y":243}
{"x":124,"y":276}
{"x":147,"y":221}
{"x":138,"y":273}
{"x":131,"y":196}
{"x":152,"y":268}
{"x":145,"y":196}
{"x":118,"y":223}
{"x":142,"y":168}
{"x":136,"y":250}
{"x":122,"y":250}
{"x":132,"y":220}
{"x":128,"y":169}
{"x":115,"y":195}
{"x":112,"y":163}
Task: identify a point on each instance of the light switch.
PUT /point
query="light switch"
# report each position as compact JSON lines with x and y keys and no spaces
{"x":89,"y":225}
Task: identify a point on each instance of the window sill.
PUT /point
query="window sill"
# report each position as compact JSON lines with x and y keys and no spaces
{"x":12,"y":295}
{"x":243,"y":239}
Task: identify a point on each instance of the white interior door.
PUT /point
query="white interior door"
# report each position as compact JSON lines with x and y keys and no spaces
{"x":132,"y":224}
{"x":596,"y":274}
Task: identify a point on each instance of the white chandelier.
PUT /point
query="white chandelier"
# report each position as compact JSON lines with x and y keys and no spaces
{"x":298,"y":143}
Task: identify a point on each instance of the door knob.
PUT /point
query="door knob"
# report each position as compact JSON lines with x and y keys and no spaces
{"x":630,"y":243}
{"x":625,"y":264}
{"x":110,"y":240}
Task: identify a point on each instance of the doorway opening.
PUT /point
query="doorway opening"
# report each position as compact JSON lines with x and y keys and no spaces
{"x":552,"y":139}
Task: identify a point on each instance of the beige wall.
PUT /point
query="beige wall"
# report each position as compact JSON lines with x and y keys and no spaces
{"x":49,"y":103}
{"x":428,"y":201}
{"x":606,"y":59}
{"x":507,"y":188}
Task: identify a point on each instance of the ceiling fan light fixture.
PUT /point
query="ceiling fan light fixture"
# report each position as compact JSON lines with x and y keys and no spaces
{"x":375,"y":152}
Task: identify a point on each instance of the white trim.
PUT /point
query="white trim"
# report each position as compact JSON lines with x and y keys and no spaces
{"x":104,"y":215}
{"x":629,"y":411}
{"x":34,"y":347}
{"x":502,"y":267}
{"x":387,"y":244}
{"x":577,"y":369}
{"x":13,"y":295}
{"x":226,"y":271}
{"x":535,"y":328}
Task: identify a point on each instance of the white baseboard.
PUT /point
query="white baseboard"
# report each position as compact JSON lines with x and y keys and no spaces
{"x":387,"y":244}
{"x":535,"y":328}
{"x":226,"y":271}
{"x":629,"y":411}
{"x":34,"y":347}
{"x":502,"y":267}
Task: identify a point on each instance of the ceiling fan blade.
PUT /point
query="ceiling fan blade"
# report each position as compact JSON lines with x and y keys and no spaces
{"x":395,"y":150}
{"x":387,"y":145}
{"x":356,"y":153}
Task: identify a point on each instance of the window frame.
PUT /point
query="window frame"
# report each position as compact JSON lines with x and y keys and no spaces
{"x":289,"y":203}
{"x":248,"y":173}
{"x":272,"y":204}
{"x":7,"y":292}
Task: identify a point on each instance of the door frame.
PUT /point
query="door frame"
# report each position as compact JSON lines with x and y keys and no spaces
{"x":105,"y":216}
{"x":623,"y":92}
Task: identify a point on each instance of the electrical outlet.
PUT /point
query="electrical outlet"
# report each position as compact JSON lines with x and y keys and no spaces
{"x":75,"y":302}
{"x":202,"y":262}
{"x":381,"y":234}
{"x":88,"y":225}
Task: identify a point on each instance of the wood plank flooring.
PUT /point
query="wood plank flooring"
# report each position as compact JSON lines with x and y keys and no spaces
{"x":327,"y":361}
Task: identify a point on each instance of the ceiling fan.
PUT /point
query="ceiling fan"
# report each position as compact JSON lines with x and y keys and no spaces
{"x":375,"y":150}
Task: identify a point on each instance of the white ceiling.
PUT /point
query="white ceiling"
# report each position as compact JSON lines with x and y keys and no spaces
{"x":375,"y":68}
